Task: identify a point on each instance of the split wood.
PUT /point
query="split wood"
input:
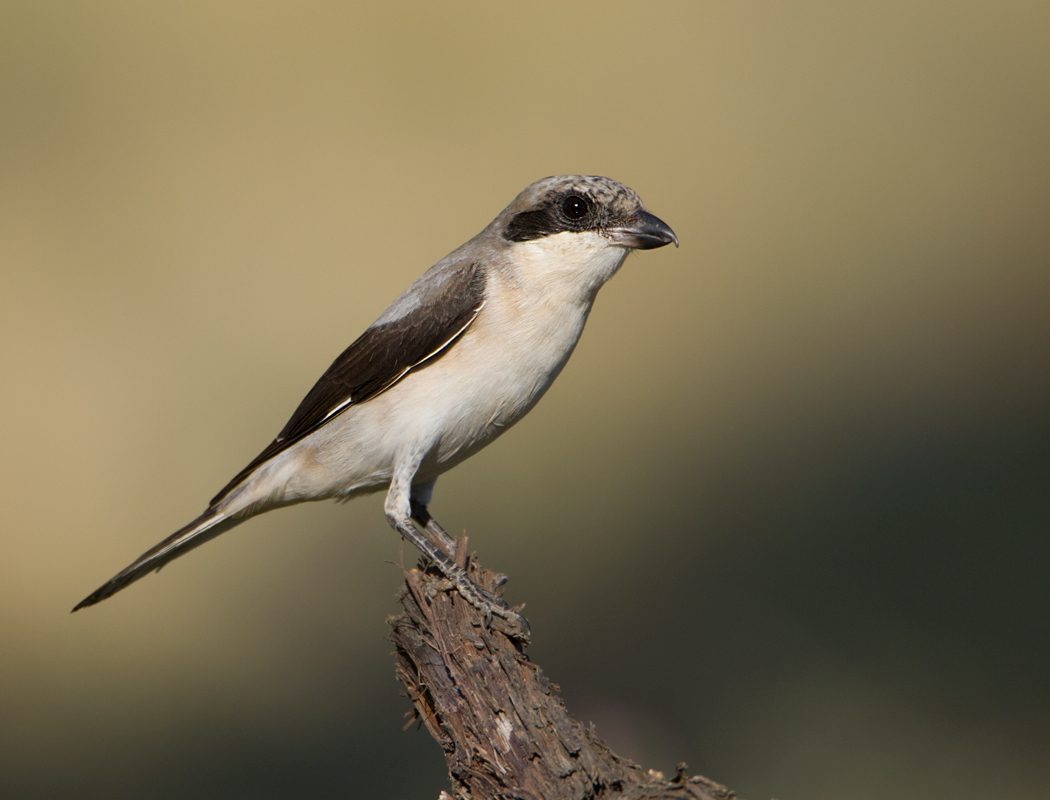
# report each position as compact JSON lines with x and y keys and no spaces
{"x":503,"y":730}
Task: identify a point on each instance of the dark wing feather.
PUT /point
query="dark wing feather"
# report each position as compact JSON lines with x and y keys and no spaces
{"x":441,"y":306}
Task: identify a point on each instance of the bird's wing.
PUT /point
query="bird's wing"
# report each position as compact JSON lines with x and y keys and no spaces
{"x":416,"y":328}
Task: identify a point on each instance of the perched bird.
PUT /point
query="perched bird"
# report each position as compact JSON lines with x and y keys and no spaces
{"x":449,"y":366}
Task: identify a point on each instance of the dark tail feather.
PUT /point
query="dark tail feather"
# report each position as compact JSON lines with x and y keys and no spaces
{"x":182,"y":541}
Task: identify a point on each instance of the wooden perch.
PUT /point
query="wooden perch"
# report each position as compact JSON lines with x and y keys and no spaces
{"x":504,"y":732}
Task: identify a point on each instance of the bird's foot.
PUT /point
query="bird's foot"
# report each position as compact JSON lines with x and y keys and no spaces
{"x":455,"y":565}
{"x":489,"y":604}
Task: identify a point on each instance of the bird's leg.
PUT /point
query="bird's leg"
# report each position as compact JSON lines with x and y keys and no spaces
{"x":419,"y":498}
{"x":430,"y":525}
{"x":488,"y":603}
{"x":400,"y":512}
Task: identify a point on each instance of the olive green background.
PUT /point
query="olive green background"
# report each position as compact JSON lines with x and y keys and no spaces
{"x":786,"y":514}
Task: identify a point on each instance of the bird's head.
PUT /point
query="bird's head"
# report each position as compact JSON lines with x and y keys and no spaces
{"x":568,"y":204}
{"x":577,"y":228}
{"x":572,"y":233}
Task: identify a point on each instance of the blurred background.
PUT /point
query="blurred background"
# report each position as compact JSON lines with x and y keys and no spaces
{"x":785,"y":516}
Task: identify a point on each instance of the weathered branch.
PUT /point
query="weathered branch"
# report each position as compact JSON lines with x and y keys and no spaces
{"x":504,"y":732}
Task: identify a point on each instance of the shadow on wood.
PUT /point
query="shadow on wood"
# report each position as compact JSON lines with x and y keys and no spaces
{"x":504,"y":732}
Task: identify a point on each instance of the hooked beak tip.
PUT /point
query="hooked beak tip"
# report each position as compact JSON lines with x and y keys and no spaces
{"x":648,"y":233}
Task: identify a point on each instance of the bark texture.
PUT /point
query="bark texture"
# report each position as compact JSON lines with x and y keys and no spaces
{"x":503,"y":730}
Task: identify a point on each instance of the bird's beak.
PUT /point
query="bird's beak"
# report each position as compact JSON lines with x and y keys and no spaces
{"x":645,"y":234}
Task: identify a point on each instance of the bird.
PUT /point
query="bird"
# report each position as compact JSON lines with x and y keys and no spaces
{"x":463,"y":354}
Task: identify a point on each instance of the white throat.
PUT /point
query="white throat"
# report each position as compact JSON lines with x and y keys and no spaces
{"x":567,"y":267}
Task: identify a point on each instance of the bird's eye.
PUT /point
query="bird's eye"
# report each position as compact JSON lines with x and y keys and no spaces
{"x":575,"y":207}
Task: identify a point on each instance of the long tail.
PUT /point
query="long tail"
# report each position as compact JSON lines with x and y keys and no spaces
{"x":206,"y":527}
